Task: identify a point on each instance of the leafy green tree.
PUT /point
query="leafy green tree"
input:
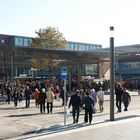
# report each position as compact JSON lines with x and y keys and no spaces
{"x":51,"y":39}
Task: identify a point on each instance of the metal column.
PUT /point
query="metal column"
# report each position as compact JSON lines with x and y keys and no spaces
{"x":112,"y":83}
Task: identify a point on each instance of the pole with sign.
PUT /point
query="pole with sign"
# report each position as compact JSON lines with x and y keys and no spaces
{"x":64,"y":73}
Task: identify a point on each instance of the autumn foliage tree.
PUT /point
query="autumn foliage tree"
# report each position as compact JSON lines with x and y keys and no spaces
{"x":49,"y":38}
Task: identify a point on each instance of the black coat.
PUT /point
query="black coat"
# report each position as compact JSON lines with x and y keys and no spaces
{"x":126,"y":97}
{"x":89,"y":102}
{"x":28,"y":94}
{"x":75,"y":101}
{"x":42,"y":97}
{"x":119,"y":92}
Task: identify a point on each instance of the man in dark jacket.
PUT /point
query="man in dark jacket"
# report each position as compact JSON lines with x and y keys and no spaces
{"x":15,"y":97}
{"x":119,"y":94}
{"x":8,"y":92}
{"x":75,"y":101}
{"x":28,"y":94}
{"x":62,"y":95}
{"x":42,"y":98}
{"x":89,"y":104}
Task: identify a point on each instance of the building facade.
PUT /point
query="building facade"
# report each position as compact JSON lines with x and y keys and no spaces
{"x":24,"y":42}
{"x":93,"y":60}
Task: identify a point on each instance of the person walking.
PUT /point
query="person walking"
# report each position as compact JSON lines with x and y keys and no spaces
{"x":82,"y":96}
{"x":126,"y":99}
{"x":19,"y":89}
{"x":28,"y":94}
{"x":50,"y":100}
{"x":75,"y":101}
{"x":42,"y":97}
{"x":119,"y":93}
{"x":57,"y":93}
{"x":93,"y":95}
{"x":36,"y":97}
{"x":89,"y":105}
{"x":8,"y":92}
{"x":15,"y":97}
{"x":62,"y":95}
{"x":100,"y":96}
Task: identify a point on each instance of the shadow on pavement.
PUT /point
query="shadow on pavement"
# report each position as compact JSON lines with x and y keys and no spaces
{"x":55,"y":129}
{"x":23,"y":115}
{"x":11,"y":108}
{"x":126,"y":117}
{"x":61,"y":128}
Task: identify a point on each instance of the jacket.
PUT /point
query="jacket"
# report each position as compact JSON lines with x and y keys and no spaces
{"x":42,"y":97}
{"x":75,"y":101}
{"x":89,"y":102}
{"x":50,"y":96}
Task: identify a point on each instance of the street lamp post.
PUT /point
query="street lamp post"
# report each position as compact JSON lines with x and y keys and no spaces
{"x":112,"y":74}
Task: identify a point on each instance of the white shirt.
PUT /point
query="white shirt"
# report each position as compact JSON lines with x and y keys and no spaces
{"x":100,"y":95}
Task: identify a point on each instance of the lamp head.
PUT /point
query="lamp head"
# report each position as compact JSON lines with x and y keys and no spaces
{"x":111,"y":28}
{"x":112,"y":31}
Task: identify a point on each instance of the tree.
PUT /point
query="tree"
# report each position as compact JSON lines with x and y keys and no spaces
{"x":51,"y":39}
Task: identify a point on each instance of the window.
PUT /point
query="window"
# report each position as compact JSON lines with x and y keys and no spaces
{"x":71,"y":46}
{"x":68,"y":46}
{"x":91,"y":48}
{"x":80,"y":47}
{"x":74,"y":47}
{"x":18,"y":41}
{"x":26,"y":42}
{"x":87,"y":47}
{"x":2,"y":41}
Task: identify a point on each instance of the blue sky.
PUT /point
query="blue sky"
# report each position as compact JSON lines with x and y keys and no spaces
{"x":79,"y":20}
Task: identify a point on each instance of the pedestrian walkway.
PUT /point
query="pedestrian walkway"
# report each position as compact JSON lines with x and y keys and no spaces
{"x":124,"y":127}
{"x":118,"y":130}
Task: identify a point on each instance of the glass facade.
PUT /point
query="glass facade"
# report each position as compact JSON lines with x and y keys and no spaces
{"x":20,"y":71}
{"x":75,"y":46}
{"x":20,"y":41}
{"x":130,"y":67}
{"x":128,"y":70}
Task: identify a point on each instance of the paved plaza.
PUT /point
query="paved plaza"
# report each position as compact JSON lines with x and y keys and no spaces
{"x":27,"y":123}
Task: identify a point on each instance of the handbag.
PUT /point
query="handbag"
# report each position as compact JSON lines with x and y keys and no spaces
{"x":68,"y":113}
{"x":93,"y":110}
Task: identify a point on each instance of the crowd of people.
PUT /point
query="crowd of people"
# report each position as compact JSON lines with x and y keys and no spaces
{"x":87,"y":96}
{"x":26,"y":90}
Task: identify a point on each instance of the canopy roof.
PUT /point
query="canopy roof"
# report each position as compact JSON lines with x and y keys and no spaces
{"x":23,"y":55}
